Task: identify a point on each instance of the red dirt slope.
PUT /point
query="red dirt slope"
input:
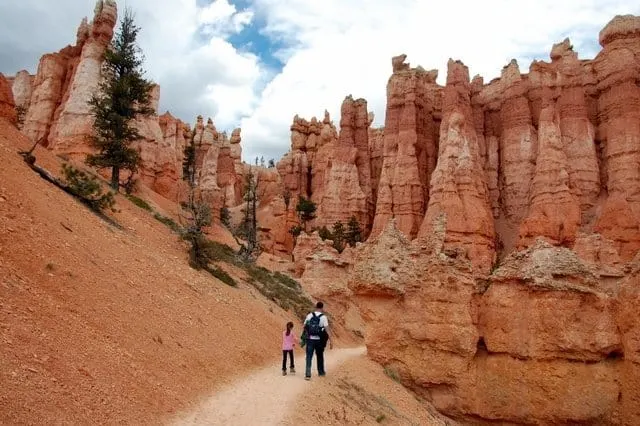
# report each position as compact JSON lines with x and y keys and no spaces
{"x":103,"y":325}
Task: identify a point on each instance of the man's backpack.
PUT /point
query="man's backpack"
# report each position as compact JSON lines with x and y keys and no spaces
{"x":313,"y":326}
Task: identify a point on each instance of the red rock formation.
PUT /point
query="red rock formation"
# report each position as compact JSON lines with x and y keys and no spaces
{"x":7,"y":105}
{"x":22,"y":87}
{"x":410,"y":147}
{"x":518,"y":139}
{"x":73,"y":120}
{"x":552,"y":154}
{"x":324,"y":273}
{"x":346,"y":187}
{"x":616,"y":68}
{"x":230,"y":170}
{"x":376,"y":146}
{"x":554,"y":212}
{"x":46,"y":96}
{"x":458,"y":194}
{"x":541,"y":323}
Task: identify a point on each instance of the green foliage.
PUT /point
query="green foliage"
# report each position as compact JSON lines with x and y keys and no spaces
{"x":220,"y":252}
{"x":380,"y":418}
{"x":225,"y":216}
{"x":189,"y":161}
{"x":223,"y":276}
{"x":140,"y":202}
{"x":167,"y":221}
{"x":353,"y":234}
{"x":295,"y":231}
{"x":306,"y":210}
{"x":324,"y":233}
{"x":281,"y":289}
{"x":123,"y":94}
{"x":392,"y":374}
{"x":272,"y":163}
{"x":87,"y":188}
{"x":337,"y":235}
{"x":276,"y":286}
{"x":21,"y":112}
{"x":248,"y":228}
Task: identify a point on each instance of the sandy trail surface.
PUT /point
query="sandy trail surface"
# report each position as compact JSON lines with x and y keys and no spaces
{"x":264,"y":397}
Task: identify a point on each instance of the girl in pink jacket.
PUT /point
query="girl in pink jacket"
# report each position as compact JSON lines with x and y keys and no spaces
{"x":288,"y":342}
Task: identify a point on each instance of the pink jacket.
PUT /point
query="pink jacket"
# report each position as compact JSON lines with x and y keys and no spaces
{"x":288,"y":342}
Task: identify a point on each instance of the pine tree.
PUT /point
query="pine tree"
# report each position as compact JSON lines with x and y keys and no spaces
{"x":338,"y":236}
{"x":249,"y":225}
{"x":123,"y":94}
{"x":324,"y":233}
{"x":199,"y":213}
{"x":353,"y":234}
{"x":306,"y":210}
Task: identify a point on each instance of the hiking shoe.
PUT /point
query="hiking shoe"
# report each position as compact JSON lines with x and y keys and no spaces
{"x":292,"y":370}
{"x":284,"y":372}
{"x":307,"y":377}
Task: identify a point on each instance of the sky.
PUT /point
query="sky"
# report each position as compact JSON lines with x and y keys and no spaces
{"x":255,"y":64}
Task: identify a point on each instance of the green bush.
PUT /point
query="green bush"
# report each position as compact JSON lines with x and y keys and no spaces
{"x":216,"y":251}
{"x":167,"y":221}
{"x":87,"y":188}
{"x":222,"y":276}
{"x":140,"y":202}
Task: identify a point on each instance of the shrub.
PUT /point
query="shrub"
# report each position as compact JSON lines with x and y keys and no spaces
{"x":324,"y":233}
{"x":167,"y":221}
{"x":87,"y":188}
{"x":139,"y":202}
{"x":295,"y":231}
{"x":225,"y":217}
{"x":222,"y":275}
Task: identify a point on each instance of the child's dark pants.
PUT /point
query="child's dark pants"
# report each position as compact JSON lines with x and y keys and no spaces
{"x":284,"y":360}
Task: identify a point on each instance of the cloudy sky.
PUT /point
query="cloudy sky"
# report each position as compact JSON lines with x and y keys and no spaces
{"x":257,"y":63}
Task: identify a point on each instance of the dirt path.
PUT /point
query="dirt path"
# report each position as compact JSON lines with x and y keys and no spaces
{"x":261,"y":398}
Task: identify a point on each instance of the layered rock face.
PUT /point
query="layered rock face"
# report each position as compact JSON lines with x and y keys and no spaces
{"x":516,"y":302}
{"x":541,"y":341}
{"x":346,"y":185}
{"x":550,"y":152}
{"x":22,"y":87}
{"x":221,"y":171}
{"x":410,"y":147}
{"x":324,"y":273}
{"x":458,"y":195}
{"x":73,"y":119}
{"x":7,"y":104}
{"x":58,"y":113}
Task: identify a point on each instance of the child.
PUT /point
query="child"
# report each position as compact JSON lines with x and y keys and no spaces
{"x":288,"y":342}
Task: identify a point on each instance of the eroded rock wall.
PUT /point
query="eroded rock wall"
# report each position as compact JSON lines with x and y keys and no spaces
{"x":542,"y":340}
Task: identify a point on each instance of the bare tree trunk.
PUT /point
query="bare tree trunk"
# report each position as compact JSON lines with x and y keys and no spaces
{"x":115,"y":178}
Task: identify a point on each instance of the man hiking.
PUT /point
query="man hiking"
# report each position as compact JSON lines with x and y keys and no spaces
{"x":316,"y":328}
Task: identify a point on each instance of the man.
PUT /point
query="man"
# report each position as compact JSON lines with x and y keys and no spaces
{"x":317,"y":327}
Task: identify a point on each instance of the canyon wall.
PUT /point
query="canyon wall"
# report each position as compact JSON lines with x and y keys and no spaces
{"x":546,"y":339}
{"x":7,"y":103}
{"x":514,"y":300}
{"x":58,"y":116}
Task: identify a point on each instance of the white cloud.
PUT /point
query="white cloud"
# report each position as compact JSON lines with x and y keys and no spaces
{"x":186,"y":50}
{"x":339,"y":47}
{"x":222,"y":18}
{"x":330,"y":48}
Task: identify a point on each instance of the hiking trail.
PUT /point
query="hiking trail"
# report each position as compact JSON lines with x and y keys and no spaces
{"x":264,"y":397}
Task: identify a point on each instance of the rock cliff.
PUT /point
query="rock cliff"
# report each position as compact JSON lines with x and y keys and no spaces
{"x":515,"y":303}
{"x":7,"y":104}
{"x":545,"y":339}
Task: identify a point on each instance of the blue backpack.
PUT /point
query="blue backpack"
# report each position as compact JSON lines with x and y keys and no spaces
{"x":313,"y":325}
